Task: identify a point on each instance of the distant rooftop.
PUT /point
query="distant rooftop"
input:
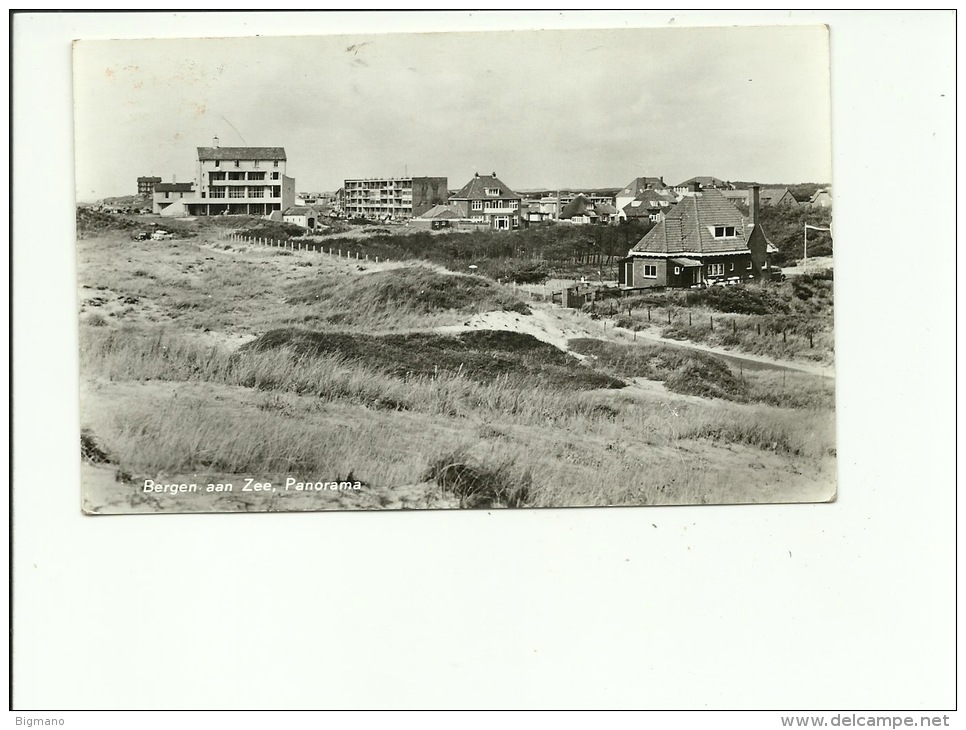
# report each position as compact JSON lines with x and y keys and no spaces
{"x":241,"y":153}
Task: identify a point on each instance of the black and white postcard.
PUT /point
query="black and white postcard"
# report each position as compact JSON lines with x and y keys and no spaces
{"x":567,"y":268}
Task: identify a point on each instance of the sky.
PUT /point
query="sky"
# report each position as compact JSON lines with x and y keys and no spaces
{"x":542,"y":109}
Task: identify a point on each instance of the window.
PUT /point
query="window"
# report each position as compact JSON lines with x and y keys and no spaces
{"x":677,"y":270}
{"x":256,"y":164}
{"x":236,"y":175}
{"x":217,"y":163}
{"x":477,"y":205}
{"x":514,"y":204}
{"x":276,"y":191}
{"x":238,"y":192}
{"x":732,"y":265}
{"x":650,"y":271}
{"x":724,"y":231}
{"x":749,"y":265}
{"x":274,"y":176}
{"x":274,"y":163}
{"x":715,"y":269}
{"x":256,"y":192}
{"x":493,"y":191}
{"x":237,"y":163}
{"x":217,"y":192}
{"x":216,"y":176}
{"x":167,"y":194}
{"x":256,"y":176}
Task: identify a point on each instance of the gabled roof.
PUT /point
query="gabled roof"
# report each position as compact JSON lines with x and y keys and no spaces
{"x":440,"y":211}
{"x":475,"y":189}
{"x":174,"y":187}
{"x":639,"y":184}
{"x":772,"y":196}
{"x":826,"y":191}
{"x":241,"y":153}
{"x":688,"y":227}
{"x":300,"y":210}
{"x":149,"y":179}
{"x":605,"y":209}
{"x":704,"y":180}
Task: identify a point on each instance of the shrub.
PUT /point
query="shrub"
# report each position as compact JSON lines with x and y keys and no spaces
{"x":481,"y":486}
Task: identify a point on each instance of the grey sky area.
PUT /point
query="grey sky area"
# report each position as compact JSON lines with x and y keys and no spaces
{"x":574,"y":108}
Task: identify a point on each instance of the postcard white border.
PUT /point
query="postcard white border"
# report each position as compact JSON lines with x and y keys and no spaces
{"x":773,"y":607}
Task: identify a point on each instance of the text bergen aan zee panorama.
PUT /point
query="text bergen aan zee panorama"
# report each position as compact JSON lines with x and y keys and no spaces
{"x":250,"y":485}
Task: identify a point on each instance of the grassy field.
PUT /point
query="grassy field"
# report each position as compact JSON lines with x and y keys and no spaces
{"x":792,"y":320}
{"x":208,"y":362}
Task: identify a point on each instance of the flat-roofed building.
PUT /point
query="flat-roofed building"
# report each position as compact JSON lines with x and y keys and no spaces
{"x":393,"y":197}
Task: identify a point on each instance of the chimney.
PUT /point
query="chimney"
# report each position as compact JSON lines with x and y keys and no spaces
{"x":214,"y":142}
{"x":754,"y":204}
{"x":476,"y":174}
{"x":695,"y":187}
{"x":493,"y":175}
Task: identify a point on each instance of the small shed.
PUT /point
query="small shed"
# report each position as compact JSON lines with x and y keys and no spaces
{"x":301,"y":215}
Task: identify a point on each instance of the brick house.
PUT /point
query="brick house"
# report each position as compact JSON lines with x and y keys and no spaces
{"x":486,"y":199}
{"x":702,"y":240}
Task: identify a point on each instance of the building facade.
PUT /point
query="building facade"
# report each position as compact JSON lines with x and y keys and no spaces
{"x":703,"y":240}
{"x":241,"y":181}
{"x":487,"y":200}
{"x":393,"y":197}
{"x":146,"y":185}
{"x":167,"y":193}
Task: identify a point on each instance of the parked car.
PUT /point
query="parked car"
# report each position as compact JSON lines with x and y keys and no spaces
{"x":162,"y":235}
{"x":775,"y":274}
{"x":140,"y":235}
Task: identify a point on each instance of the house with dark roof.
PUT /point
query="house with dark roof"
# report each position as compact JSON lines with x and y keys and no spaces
{"x":703,"y":240}
{"x":650,"y":205}
{"x":705,"y":181}
{"x":583,"y":210}
{"x":437,"y":217}
{"x":241,"y":181}
{"x":167,"y":193}
{"x":487,"y":200}
{"x":301,"y":215}
{"x":635,"y":187}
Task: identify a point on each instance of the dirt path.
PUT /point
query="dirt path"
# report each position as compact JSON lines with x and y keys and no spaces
{"x":752,"y":361}
{"x":557,"y":326}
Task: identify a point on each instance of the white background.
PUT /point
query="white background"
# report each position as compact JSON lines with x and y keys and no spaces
{"x":829,"y":607}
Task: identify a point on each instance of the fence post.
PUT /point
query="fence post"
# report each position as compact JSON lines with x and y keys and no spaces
{"x":712,"y":323}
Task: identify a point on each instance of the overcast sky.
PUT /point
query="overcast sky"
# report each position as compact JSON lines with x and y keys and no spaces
{"x":571,"y":108}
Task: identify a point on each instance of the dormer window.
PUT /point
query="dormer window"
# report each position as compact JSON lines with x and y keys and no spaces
{"x":724,"y":232}
{"x":493,"y":191}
